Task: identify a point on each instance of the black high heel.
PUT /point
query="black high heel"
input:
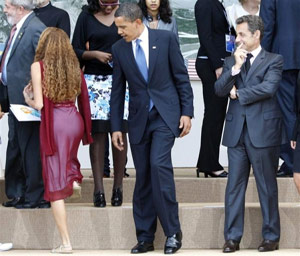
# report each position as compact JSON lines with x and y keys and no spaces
{"x":117,"y":197}
{"x":99,"y":200}
{"x":198,"y":172}
{"x":211,"y":174}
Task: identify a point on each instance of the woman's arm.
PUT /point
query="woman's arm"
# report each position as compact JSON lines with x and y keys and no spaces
{"x":33,"y":93}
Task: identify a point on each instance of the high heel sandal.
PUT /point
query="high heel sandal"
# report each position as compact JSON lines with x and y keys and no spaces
{"x":63,"y":249}
{"x":211,"y":174}
{"x":117,"y":197}
{"x":99,"y":200}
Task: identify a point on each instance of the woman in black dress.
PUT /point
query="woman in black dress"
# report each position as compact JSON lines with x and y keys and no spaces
{"x":94,"y":34}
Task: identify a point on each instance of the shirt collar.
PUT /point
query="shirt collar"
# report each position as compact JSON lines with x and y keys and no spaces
{"x":256,"y":52}
{"x":144,"y":36}
{"x":21,"y":21}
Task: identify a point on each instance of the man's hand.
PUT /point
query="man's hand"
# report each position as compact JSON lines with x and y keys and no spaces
{"x":185,"y":125}
{"x":233,"y":93}
{"x":117,"y":140}
{"x":1,"y":113}
{"x":240,"y":55}
{"x":218,"y":72}
{"x":293,"y":144}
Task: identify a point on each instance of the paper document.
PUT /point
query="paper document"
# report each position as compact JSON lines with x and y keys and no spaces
{"x":24,"y":113}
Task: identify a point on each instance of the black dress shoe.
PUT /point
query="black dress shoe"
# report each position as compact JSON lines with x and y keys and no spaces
{"x":283,"y":174}
{"x":173,"y":243}
{"x":117,"y":197}
{"x":213,"y":175}
{"x":14,"y":202}
{"x":29,"y":205}
{"x":268,"y":245}
{"x":99,"y":200}
{"x":231,"y":246}
{"x":142,"y":247}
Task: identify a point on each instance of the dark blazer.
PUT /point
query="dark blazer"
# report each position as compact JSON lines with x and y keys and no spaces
{"x":282,"y":22}
{"x":212,"y":26}
{"x":21,"y":58}
{"x":257,"y":104}
{"x":168,"y":85}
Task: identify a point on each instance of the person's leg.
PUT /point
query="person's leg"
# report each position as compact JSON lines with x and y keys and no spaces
{"x":214,"y":115}
{"x":97,"y":150}
{"x":286,"y":97}
{"x":265,"y":163}
{"x":106,"y":159}
{"x":60,"y":216}
{"x":119,"y":160}
{"x":297,"y":180}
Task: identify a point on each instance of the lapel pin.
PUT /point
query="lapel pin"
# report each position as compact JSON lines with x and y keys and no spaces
{"x":154,"y":47}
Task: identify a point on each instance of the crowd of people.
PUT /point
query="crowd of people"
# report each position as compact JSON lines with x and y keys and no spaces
{"x":108,"y":82}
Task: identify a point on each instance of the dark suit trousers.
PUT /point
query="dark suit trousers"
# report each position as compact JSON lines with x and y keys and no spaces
{"x":213,"y":121}
{"x":287,"y":100}
{"x":154,"y":194}
{"x":265,"y":163}
{"x":23,"y":171}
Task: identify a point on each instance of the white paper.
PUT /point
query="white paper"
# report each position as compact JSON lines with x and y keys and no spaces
{"x":25,"y":113}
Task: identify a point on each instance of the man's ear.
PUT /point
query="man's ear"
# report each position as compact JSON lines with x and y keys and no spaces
{"x":139,"y":21}
{"x":257,"y":34}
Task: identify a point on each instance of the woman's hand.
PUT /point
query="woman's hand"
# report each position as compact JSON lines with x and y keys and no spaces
{"x":1,"y":113}
{"x":28,"y":93}
{"x":104,"y":57}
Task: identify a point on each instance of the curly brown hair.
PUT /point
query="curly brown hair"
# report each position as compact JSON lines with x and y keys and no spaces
{"x":62,"y":78}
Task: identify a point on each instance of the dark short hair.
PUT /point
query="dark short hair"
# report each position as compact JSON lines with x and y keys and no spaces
{"x":130,"y":11}
{"x":164,"y":10}
{"x":254,"y":23}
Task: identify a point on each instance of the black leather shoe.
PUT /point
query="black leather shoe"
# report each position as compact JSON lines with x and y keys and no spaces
{"x":14,"y":202}
{"x":117,"y":197}
{"x":173,"y":243}
{"x":231,"y":246}
{"x":268,"y":245}
{"x":99,"y":200}
{"x":142,"y":247}
{"x":282,"y":174}
{"x":29,"y":205}
{"x":213,"y":175}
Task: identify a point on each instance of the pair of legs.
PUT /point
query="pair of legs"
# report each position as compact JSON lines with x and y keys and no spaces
{"x":214,"y":115}
{"x":265,"y":163}
{"x":97,"y":153}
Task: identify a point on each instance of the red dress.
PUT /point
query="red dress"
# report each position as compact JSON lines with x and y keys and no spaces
{"x":62,"y":128}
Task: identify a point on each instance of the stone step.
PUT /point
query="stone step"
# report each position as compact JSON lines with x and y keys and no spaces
{"x":112,"y":228}
{"x":188,"y":190}
{"x":185,"y":252}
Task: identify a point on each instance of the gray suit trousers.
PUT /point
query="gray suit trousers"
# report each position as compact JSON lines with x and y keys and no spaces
{"x":264,"y":162}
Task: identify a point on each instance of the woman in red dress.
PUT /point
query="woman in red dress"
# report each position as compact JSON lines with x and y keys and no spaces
{"x":56,"y":84}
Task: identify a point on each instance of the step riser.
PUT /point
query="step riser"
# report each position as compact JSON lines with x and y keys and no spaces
{"x":189,"y":190}
{"x":113,"y":227}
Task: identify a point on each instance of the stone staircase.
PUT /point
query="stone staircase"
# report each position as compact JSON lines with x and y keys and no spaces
{"x":201,"y":211}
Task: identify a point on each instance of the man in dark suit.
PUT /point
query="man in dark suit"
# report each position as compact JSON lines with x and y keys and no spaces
{"x":282,"y":20}
{"x":23,"y":172}
{"x":253,"y":132}
{"x":160,"y":109}
{"x":52,"y":16}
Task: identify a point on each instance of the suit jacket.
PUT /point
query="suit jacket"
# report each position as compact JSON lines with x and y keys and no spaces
{"x":212,"y":26}
{"x":21,"y":58}
{"x":282,"y":22}
{"x":168,"y":85}
{"x":257,"y":104}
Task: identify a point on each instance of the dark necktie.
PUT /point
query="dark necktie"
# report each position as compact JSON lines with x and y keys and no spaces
{"x":247,"y":63}
{"x":11,"y":36}
{"x":142,"y":64}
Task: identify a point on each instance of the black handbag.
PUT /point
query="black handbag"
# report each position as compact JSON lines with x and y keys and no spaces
{"x":4,"y":98}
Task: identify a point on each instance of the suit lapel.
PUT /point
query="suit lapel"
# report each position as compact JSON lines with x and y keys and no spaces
{"x":20,"y":35}
{"x":258,"y":60}
{"x":153,"y":53}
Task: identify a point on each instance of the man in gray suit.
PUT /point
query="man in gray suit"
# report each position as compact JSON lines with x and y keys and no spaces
{"x":23,"y":172}
{"x":253,"y":132}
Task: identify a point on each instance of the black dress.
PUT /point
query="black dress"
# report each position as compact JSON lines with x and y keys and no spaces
{"x":93,"y":35}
